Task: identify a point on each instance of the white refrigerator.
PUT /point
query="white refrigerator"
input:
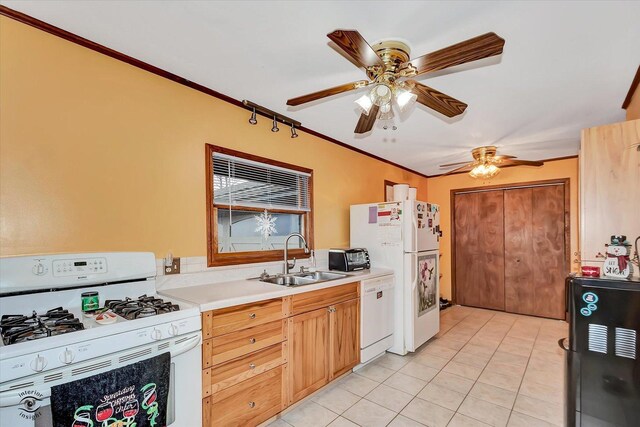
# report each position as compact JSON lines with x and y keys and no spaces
{"x":405,"y":236}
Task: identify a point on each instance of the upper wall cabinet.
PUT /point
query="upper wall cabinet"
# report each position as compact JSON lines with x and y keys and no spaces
{"x":609,"y":187}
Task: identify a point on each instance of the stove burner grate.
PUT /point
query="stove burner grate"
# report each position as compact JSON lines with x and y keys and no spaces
{"x":20,"y":328}
{"x":144,"y":306}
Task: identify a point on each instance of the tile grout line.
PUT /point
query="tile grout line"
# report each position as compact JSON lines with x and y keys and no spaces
{"x":483,"y":369}
{"x":524,"y":373}
{"x":520,"y":386}
{"x":439,"y":370}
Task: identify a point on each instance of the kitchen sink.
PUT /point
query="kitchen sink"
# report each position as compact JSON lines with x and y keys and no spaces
{"x":299,"y":279}
{"x":322,"y":276}
{"x":290,"y":280}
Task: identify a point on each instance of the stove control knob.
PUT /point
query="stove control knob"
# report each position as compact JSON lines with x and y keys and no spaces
{"x":67,"y":357}
{"x":39,"y":269}
{"x":173,"y":330}
{"x":156,"y":334}
{"x":39,"y":363}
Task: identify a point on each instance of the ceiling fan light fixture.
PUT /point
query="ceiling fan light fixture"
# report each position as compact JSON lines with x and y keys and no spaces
{"x":386,"y":112}
{"x":484,"y":171}
{"x":381,"y":94}
{"x":404,"y":98}
{"x":365,"y":103}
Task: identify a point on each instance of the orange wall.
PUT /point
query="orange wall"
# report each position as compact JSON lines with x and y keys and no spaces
{"x":633,"y":109}
{"x":439,"y":193}
{"x":97,"y":155}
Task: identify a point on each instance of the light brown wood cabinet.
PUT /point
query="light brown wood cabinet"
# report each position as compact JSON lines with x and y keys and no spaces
{"x":344,"y":337}
{"x":261,"y":357}
{"x":309,"y":353}
{"x":609,"y":191}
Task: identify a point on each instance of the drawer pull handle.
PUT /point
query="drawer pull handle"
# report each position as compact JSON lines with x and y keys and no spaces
{"x":252,"y":404}
{"x":252,"y":316}
{"x":252,"y":366}
{"x":252,"y":340}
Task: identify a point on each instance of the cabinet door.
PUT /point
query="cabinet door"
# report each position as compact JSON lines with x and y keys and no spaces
{"x":308,"y":353}
{"x":609,"y":191}
{"x":345,"y":337}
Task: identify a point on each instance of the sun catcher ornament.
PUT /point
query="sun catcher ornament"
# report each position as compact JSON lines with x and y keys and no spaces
{"x":617,"y":263}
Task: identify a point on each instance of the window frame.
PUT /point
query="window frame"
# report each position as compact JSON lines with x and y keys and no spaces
{"x":215,"y":258}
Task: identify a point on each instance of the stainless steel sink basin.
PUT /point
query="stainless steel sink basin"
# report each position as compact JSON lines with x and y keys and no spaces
{"x":299,"y":279}
{"x":322,"y":276}
{"x":290,"y":280}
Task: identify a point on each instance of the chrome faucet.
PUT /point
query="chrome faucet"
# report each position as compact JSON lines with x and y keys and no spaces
{"x":288,"y":266}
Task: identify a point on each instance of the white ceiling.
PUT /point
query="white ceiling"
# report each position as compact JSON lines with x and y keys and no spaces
{"x":565,"y":66}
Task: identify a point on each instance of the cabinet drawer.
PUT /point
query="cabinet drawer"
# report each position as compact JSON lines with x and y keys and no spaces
{"x":247,"y":403}
{"x":222,"y":349}
{"x":225,"y":320}
{"x":308,"y":301}
{"x":231,"y":373}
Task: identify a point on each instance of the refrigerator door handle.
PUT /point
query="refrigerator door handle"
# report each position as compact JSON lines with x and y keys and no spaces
{"x":414,"y":233}
{"x":562,"y":342}
{"x":414,"y":273}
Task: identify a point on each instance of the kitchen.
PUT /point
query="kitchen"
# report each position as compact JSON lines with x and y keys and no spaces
{"x":103,"y":153}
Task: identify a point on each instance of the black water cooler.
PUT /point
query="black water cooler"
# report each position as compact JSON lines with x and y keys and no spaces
{"x":603,"y":371}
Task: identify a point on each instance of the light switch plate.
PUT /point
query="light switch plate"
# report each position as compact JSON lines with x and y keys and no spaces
{"x":174,"y":268}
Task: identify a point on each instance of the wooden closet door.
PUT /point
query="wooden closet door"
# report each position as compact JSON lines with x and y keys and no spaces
{"x":534,"y":222}
{"x":519,"y":290}
{"x":479,"y":245}
{"x":549,"y":251}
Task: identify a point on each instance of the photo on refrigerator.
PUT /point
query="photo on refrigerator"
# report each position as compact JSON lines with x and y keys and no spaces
{"x":427,"y":285}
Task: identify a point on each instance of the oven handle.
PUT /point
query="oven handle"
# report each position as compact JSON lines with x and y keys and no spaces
{"x":13,"y":398}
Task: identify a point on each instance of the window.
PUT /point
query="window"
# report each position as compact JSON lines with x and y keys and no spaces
{"x":253,"y":204}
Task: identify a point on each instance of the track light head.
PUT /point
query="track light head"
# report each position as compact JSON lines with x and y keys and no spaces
{"x":275,"y":125}
{"x":294,"y":134}
{"x":253,"y":120}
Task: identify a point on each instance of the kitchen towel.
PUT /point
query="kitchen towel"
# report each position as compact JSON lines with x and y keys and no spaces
{"x":131,"y":396}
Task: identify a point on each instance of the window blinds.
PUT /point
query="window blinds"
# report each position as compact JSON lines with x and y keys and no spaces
{"x":242,"y":182}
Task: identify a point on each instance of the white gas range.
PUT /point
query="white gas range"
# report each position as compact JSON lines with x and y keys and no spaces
{"x":47,"y":340}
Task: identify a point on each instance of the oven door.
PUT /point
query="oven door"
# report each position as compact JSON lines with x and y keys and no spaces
{"x":26,"y":402}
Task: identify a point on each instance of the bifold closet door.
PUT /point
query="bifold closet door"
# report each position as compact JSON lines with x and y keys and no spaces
{"x":479,"y":246}
{"x":534,"y":247}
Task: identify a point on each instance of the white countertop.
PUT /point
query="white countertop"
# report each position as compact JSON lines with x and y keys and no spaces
{"x":212,"y":296}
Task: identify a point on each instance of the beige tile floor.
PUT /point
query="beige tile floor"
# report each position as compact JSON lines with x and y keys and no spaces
{"x":483,"y":368}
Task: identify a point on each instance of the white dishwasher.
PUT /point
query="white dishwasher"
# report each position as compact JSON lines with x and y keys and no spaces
{"x":376,"y":316}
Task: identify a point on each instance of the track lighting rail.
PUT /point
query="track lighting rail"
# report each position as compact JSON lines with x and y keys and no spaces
{"x":259,"y":109}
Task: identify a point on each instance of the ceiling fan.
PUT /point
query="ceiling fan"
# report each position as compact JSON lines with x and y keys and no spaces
{"x":486,"y":164}
{"x":389,"y":68}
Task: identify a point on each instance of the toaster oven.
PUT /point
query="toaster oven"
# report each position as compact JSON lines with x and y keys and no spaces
{"x":353,"y":259}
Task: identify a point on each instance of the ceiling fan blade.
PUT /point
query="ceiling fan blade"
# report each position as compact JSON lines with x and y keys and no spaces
{"x":504,"y":157}
{"x":470,"y":50}
{"x":354,"y":45}
{"x":436,"y":100}
{"x":453,"y":164}
{"x":520,"y":163}
{"x":365,"y":123}
{"x":327,"y":92}
{"x":464,"y":168}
